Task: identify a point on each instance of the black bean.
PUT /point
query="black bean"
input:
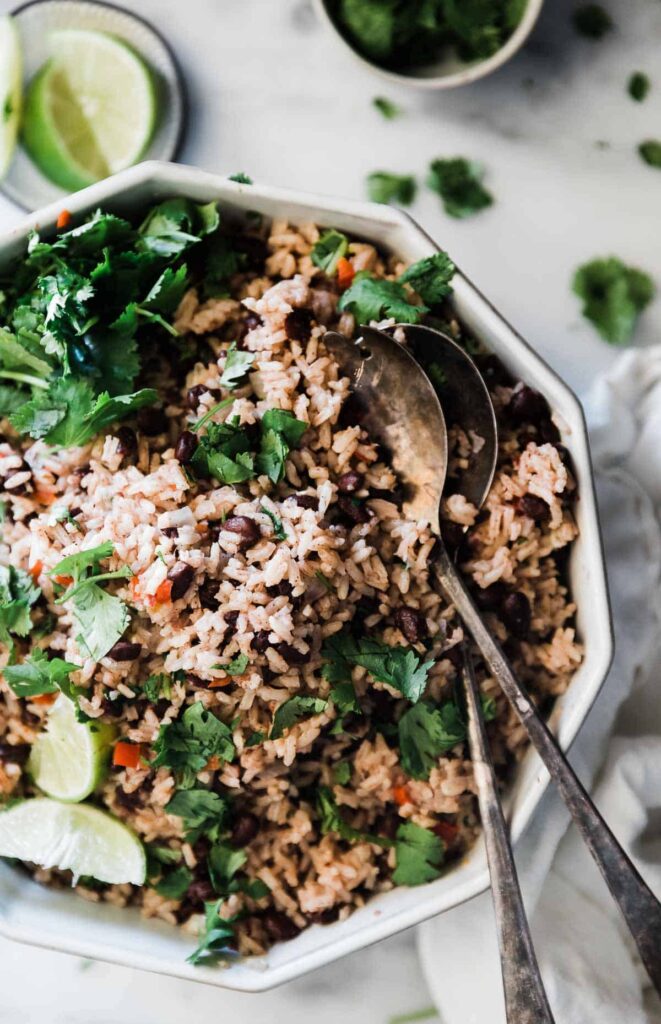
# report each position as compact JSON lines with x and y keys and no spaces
{"x":354,"y":510}
{"x":207,"y":594}
{"x":281,"y":589}
{"x":516,"y":614}
{"x":280,"y":927}
{"x":456,"y":541}
{"x":533,"y":507}
{"x":81,"y":470}
{"x":152,"y":420}
{"x":201,"y":848}
{"x":528,"y":406}
{"x":244,"y":830}
{"x":325,"y":916}
{"x":412,"y":623}
{"x":454,"y":655}
{"x":253,"y":248}
{"x":231,"y":619}
{"x":365,"y":607}
{"x":387,"y":825}
{"x":298,"y":325}
{"x":548,"y":432}
{"x":490,"y":599}
{"x":196,"y":683}
{"x":161,"y":707}
{"x":292,"y":655}
{"x":350,"y":482}
{"x":252,"y":320}
{"x":246,"y":529}
{"x":113,"y":708}
{"x":194,"y":394}
{"x":129,"y":801}
{"x":128,"y":443}
{"x":15,"y":753}
{"x":170,"y":531}
{"x":307,"y":501}
{"x":180,"y":576}
{"x":260,"y":641}
{"x":200,"y":891}
{"x":124,"y":650}
{"x":185,"y":447}
{"x":75,"y":511}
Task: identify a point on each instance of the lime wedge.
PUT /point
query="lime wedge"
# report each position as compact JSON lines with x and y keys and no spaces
{"x":69,"y":759}
{"x":11,"y":74}
{"x":73,"y":837}
{"x":90,"y":111}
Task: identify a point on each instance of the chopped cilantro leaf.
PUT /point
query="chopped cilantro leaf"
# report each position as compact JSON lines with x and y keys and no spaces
{"x":279,"y":531}
{"x":255,"y":739}
{"x":292,"y":710}
{"x":236,"y":366}
{"x":38,"y":674}
{"x":430,"y":277}
{"x":18,"y":592}
{"x":174,"y":885}
{"x":459,"y":184}
{"x":329,"y":250}
{"x":342,"y":773}
{"x":592,"y":21}
{"x":386,"y":107}
{"x":215,"y":940}
{"x":157,"y":686}
{"x":241,"y":178}
{"x":650,"y":151}
{"x":489,"y":708}
{"x":101,"y":617}
{"x":174,"y":225}
{"x":613,"y":296}
{"x":419,"y":855}
{"x":426,"y":732}
{"x":237,"y":666}
{"x":226,"y":450}
{"x":330,"y":820}
{"x":370,"y":298}
{"x":346,"y":702}
{"x":202,"y":812}
{"x":187,"y":745}
{"x":399,"y":667}
{"x":76,"y":565}
{"x":325,"y":582}
{"x":224,"y":863}
{"x":384,"y":187}
{"x":638,"y":86}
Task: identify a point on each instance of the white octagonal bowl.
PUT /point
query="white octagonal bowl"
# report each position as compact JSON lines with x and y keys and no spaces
{"x":57,"y":920}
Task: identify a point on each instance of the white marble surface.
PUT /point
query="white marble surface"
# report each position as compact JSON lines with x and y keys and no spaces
{"x":273,"y":95}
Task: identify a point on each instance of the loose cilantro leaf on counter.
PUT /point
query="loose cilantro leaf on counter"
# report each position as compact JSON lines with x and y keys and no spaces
{"x":187,"y":745}
{"x":214,"y":940}
{"x":459,"y":184}
{"x":279,"y":531}
{"x":638,"y":86}
{"x":430,"y":277}
{"x":236,"y":366}
{"x":38,"y":674}
{"x":370,"y":298}
{"x":613,"y":296}
{"x":399,"y":667}
{"x":292,"y":710}
{"x":426,"y":732}
{"x":384,"y":187}
{"x":592,"y":21}
{"x":650,"y":151}
{"x":202,"y":812}
{"x":386,"y":107}
{"x":241,"y":178}
{"x":419,"y":855}
{"x":174,"y":885}
{"x":329,"y":250}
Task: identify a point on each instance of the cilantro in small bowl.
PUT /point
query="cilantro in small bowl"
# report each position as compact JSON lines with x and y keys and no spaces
{"x":432,"y":43}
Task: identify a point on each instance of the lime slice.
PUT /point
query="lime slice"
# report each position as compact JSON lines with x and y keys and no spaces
{"x":91,"y":109}
{"x":11,"y":74}
{"x":73,"y":837}
{"x":69,"y":759}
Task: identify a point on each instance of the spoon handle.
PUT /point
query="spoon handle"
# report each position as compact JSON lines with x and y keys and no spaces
{"x":525,"y":998}
{"x":639,"y":906}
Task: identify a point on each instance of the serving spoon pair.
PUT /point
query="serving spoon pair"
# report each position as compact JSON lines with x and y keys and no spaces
{"x":402,"y":412}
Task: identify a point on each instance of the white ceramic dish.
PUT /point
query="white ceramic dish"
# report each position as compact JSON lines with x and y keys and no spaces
{"x":449,"y":72}
{"x":58,"y":920}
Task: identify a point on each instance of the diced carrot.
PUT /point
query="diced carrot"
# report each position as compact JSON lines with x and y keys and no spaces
{"x":35,"y":570}
{"x":127,"y":755}
{"x":63,"y":220}
{"x":401,"y":795}
{"x":446,"y":831}
{"x":163,"y":591}
{"x":345,"y":273}
{"x":44,"y":496}
{"x":213,"y":764}
{"x":64,"y":581}
{"x":134,"y":586}
{"x":216,"y":684}
{"x":45,"y":698}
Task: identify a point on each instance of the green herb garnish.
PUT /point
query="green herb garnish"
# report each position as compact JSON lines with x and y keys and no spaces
{"x":384,"y":187}
{"x":371,"y":298}
{"x":386,"y":108}
{"x":202,"y":812}
{"x":426,"y":732}
{"x":430,"y":277}
{"x":329,"y":250}
{"x":18,"y":592}
{"x":241,"y":178}
{"x":236,"y":366}
{"x":459,"y":184}
{"x":217,"y":934}
{"x":279,"y":531}
{"x":38,"y":674}
{"x":592,"y":21}
{"x":638,"y":86}
{"x":292,"y":711}
{"x":187,"y":745}
{"x":175,"y":884}
{"x":399,"y":667}
{"x":650,"y":151}
{"x":419,"y":855}
{"x":614,"y":295}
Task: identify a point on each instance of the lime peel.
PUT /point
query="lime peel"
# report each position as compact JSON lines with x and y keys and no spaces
{"x":11,"y":90}
{"x":69,"y":758}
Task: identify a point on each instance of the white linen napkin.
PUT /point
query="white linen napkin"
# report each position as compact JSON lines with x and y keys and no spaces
{"x":586,"y":955}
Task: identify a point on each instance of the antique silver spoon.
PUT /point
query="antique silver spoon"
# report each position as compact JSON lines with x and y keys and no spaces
{"x":400,"y":409}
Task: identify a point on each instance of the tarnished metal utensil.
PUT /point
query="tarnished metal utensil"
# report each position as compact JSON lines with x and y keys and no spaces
{"x":410,"y":431}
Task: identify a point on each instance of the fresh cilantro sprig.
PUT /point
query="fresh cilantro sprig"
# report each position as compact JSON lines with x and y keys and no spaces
{"x":419,"y":855}
{"x":459,"y":184}
{"x":386,"y":108}
{"x":370,"y":298}
{"x":236,"y":367}
{"x":18,"y":592}
{"x":292,"y":711}
{"x":650,"y":151}
{"x":175,"y":884}
{"x":399,"y":667}
{"x":279,"y":531}
{"x":614,"y":295}
{"x":39,"y":674}
{"x":187,"y":745}
{"x":215,"y":938}
{"x":330,"y":820}
{"x":425,"y":733}
{"x":202,"y":811}
{"x":430,"y":277}
{"x":327,"y":252}
{"x":228,"y":451}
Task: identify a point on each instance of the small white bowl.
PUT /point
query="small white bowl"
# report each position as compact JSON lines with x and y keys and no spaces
{"x":449,"y":72}
{"x":59,"y":920}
